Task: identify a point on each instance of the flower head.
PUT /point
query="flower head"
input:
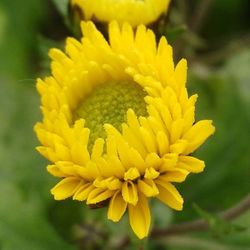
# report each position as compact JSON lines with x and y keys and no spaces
{"x":134,"y":12}
{"x":118,"y":124}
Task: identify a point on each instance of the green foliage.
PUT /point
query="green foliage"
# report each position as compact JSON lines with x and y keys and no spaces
{"x":18,"y":45}
{"x":240,"y":74}
{"x":172,"y":33}
{"x":221,"y":22}
{"x":44,"y":45}
{"x":62,"y":6}
{"x":24,"y":185}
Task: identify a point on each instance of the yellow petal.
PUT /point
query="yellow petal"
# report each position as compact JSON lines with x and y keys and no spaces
{"x":117,"y":207}
{"x":89,"y":30}
{"x":131,"y":136}
{"x":153,"y":160}
{"x":169,"y":195}
{"x":123,"y":152}
{"x":97,"y":149}
{"x":197,"y":134}
{"x":181,"y":73}
{"x":83,"y":192}
{"x":65,"y":188}
{"x":137,"y":160}
{"x":48,"y":153}
{"x":148,"y":187}
{"x":189,"y":118}
{"x":169,"y":161}
{"x":191,"y":164}
{"x":175,"y":175}
{"x":62,"y":152}
{"x":99,"y":194}
{"x":129,"y":192}
{"x":176,"y":130}
{"x":55,"y":170}
{"x":90,"y":172}
{"x":179,"y":146}
{"x":148,"y":139}
{"x":151,"y":173}
{"x":67,"y":168}
{"x":139,"y":217}
{"x":105,"y":169}
{"x":111,"y":183}
{"x":111,"y":146}
{"x":131,"y":174}
{"x":118,"y":168}
{"x":79,"y":154}
{"x":163,"y":143}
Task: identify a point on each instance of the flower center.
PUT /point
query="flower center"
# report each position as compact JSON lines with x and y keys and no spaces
{"x":108,"y":103}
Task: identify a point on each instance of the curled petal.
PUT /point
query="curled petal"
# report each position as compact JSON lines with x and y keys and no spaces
{"x":151,"y":173}
{"x":131,"y":174}
{"x":111,"y":183}
{"x":129,"y":192}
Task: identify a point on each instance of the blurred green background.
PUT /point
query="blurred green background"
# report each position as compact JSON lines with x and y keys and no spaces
{"x":215,"y":38}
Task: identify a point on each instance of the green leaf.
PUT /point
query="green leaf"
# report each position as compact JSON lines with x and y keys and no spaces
{"x":62,"y":6}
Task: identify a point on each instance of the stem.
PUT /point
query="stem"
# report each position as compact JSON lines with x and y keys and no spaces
{"x":237,"y":210}
{"x":201,"y":224}
{"x":197,"y":225}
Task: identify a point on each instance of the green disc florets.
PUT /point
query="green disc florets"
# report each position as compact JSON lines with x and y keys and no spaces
{"x":109,"y":103}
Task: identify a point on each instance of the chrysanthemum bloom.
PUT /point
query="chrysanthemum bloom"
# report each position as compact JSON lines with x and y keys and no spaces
{"x":134,"y":12}
{"x":118,"y":125}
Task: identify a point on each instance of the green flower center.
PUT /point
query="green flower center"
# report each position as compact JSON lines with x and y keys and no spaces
{"x":109,"y":103}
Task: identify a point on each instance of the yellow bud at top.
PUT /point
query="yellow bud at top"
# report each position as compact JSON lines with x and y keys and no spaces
{"x":135,"y":12}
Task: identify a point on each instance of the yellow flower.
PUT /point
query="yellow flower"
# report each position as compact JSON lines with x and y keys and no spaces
{"x":134,"y":12}
{"x":118,"y":125}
